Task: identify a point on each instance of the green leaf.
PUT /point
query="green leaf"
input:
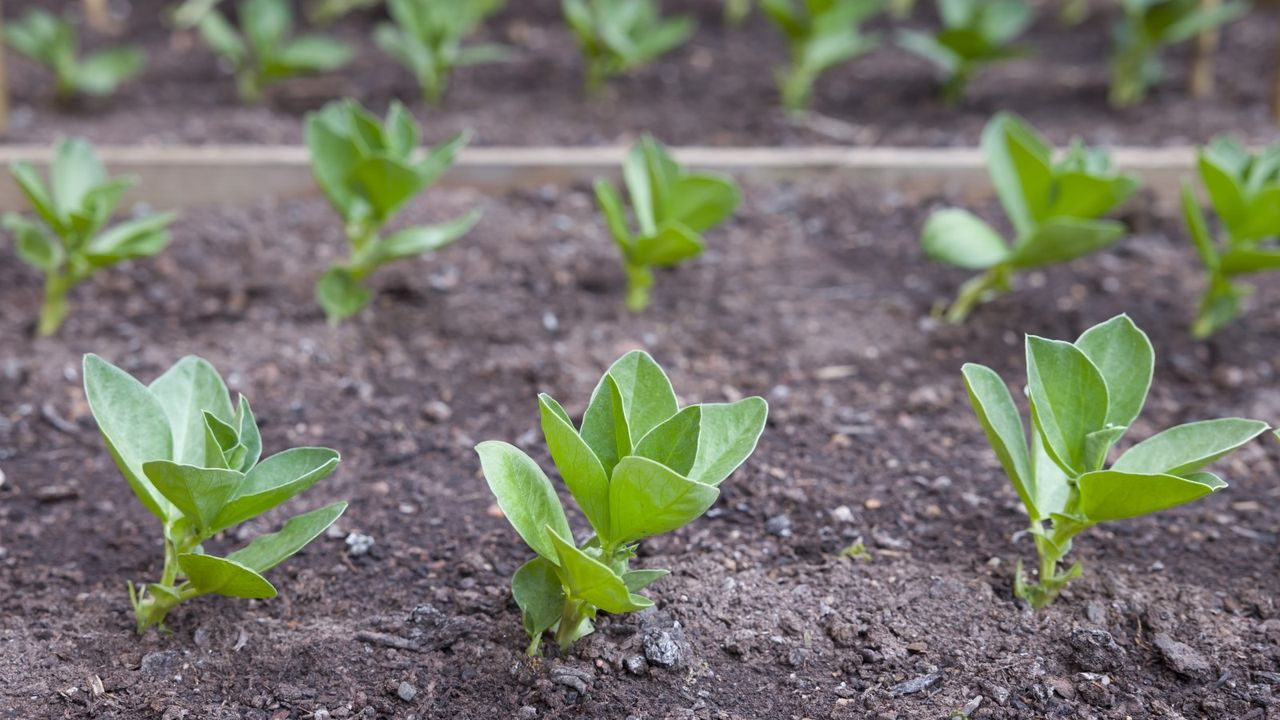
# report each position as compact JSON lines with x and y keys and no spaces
{"x":33,"y":188}
{"x":610,"y":205}
{"x":1115,"y":495}
{"x":1123,"y":355}
{"x":133,"y":424}
{"x":386,"y":184}
{"x":415,"y":241}
{"x":672,"y":244}
{"x":589,"y":579}
{"x":1086,"y":196}
{"x":268,"y":551}
{"x":582,"y":471}
{"x":674,"y":443}
{"x":223,"y":39}
{"x":703,"y":201}
{"x":604,"y":425}
{"x":223,"y":576}
{"x":636,"y":173}
{"x":103,"y":72}
{"x":333,"y":157}
{"x":341,"y":294}
{"x":142,"y":237}
{"x":199,"y":493}
{"x":538,"y":592}
{"x":1059,"y":240}
{"x":275,"y":480}
{"x":1019,"y":163}
{"x":647,"y":396}
{"x":1245,"y":260}
{"x":74,"y":172}
{"x":727,"y":436}
{"x":525,"y":495}
{"x":1187,"y":448}
{"x":958,"y":237}
{"x":646,"y":498}
{"x":403,"y":133}
{"x":248,"y":433}
{"x":265,"y":24}
{"x":1003,"y":427}
{"x":1199,"y":229}
{"x":186,"y":390}
{"x":637,"y":580}
{"x":309,"y":54}
{"x":1068,"y":399}
{"x":34,"y":246}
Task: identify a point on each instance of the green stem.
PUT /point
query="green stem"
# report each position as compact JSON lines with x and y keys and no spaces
{"x":248,"y":87}
{"x":977,"y":290}
{"x":570,"y":619}
{"x":54,"y":309}
{"x":639,"y":281}
{"x":1051,"y":548}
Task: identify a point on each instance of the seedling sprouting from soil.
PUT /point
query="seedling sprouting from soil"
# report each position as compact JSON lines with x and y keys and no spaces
{"x":1244,"y":190}
{"x":369,"y":169}
{"x":262,"y":52}
{"x":193,"y":461}
{"x":69,"y":243}
{"x":427,"y":38}
{"x":618,"y":36}
{"x":672,"y":208}
{"x":1083,"y":397}
{"x":51,"y":41}
{"x":1054,"y":209}
{"x":821,"y":34}
{"x":639,"y":466}
{"x":974,"y":33}
{"x":1149,"y":26}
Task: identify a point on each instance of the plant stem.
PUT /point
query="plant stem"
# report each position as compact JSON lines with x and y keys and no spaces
{"x":570,"y":619}
{"x":1051,"y":548}
{"x":54,"y":309}
{"x":639,"y":281}
{"x":976,"y":290}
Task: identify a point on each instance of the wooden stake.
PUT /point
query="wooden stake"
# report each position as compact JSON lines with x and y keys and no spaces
{"x":1200,"y":83}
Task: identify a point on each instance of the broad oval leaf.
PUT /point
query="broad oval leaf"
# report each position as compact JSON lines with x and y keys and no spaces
{"x":224,"y":576}
{"x":186,"y":390}
{"x":958,"y":237}
{"x":275,"y":480}
{"x":581,"y":470}
{"x":1187,"y":448}
{"x":415,"y":241}
{"x":728,"y":434}
{"x":1124,"y":356}
{"x":1018,"y":161}
{"x":604,"y":426}
{"x":537,"y":590}
{"x":1115,"y":495}
{"x":637,"y":580}
{"x":674,"y":443}
{"x":1068,"y":399}
{"x":1003,"y":427}
{"x":525,"y":495}
{"x":703,"y":200}
{"x":340,"y":294}
{"x":647,"y":396}
{"x":268,"y":551}
{"x":589,"y":579}
{"x":646,"y":498}
{"x":1058,"y":240}
{"x":199,"y":493}
{"x":133,"y":424}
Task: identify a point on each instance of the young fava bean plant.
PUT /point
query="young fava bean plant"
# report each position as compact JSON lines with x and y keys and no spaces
{"x":369,"y":169}
{"x":1054,"y":208}
{"x":672,"y":207}
{"x":262,"y":52}
{"x":1244,"y":190}
{"x":821,"y":34}
{"x":1149,"y":26}
{"x":974,"y":33}
{"x":1083,"y":397}
{"x":193,"y":462}
{"x":69,"y":243}
{"x":639,"y":466}
{"x":617,"y":36}
{"x":427,"y":38}
{"x":51,"y":41}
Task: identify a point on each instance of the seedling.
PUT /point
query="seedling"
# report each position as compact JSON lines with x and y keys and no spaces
{"x":736,"y":12}
{"x":1244,"y":190}
{"x":427,"y":38}
{"x":672,"y":207}
{"x":69,"y":243}
{"x":1083,"y":397}
{"x":51,"y":41}
{"x":821,"y":34}
{"x":369,"y":169}
{"x":974,"y":33}
{"x":262,"y":52}
{"x":639,"y":466}
{"x":193,"y":461}
{"x":1147,"y":28}
{"x":617,"y":36}
{"x":1053,"y":208}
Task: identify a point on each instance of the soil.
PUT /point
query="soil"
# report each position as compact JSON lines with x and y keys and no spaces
{"x":814,"y":296}
{"x":717,"y":90}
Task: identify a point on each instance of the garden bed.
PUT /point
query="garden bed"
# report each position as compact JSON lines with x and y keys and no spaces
{"x":815,"y":296}
{"x":717,"y":90}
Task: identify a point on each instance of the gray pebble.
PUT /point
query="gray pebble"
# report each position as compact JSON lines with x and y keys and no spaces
{"x":1095,"y":650}
{"x":406,"y":692}
{"x":637,"y":665}
{"x":779,"y":525}
{"x":916,"y":684}
{"x":359,"y":544}
{"x":1184,"y":659}
{"x":160,"y":661}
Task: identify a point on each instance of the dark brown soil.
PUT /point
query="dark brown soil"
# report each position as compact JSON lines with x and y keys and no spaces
{"x":814,"y":296}
{"x":717,"y":90}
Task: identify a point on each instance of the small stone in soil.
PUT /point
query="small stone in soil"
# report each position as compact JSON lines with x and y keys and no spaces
{"x":1095,"y":650}
{"x":916,"y":684}
{"x":779,"y":525}
{"x":528,"y":712}
{"x":1184,"y":659}
{"x":161,"y":661}
{"x":637,"y":665}
{"x":359,"y":544}
{"x":406,"y":692}
{"x":663,"y":641}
